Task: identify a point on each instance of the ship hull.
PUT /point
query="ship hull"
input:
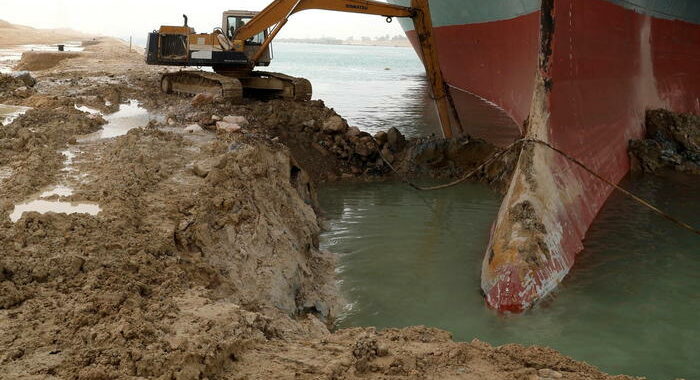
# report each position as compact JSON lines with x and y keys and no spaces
{"x":578,"y":75}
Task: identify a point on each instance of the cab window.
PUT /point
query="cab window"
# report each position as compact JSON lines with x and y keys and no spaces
{"x":235,"y":22}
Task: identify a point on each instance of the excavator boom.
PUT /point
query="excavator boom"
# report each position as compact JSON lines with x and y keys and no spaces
{"x":278,"y":12}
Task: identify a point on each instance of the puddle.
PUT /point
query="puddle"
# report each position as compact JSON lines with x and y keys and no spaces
{"x":8,"y":59}
{"x":89,"y":110}
{"x":9,"y":113}
{"x":130,"y":115}
{"x":43,"y":206}
{"x":61,"y":191}
{"x":70,"y":155}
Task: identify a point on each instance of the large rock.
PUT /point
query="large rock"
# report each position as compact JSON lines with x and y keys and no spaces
{"x":335,"y":124}
{"x":362,"y":149}
{"x":22,"y":92}
{"x":240,"y":120}
{"x":203,"y":167}
{"x":25,"y":77}
{"x":228,"y":127}
{"x":193,"y":128}
{"x":202,"y":99}
{"x":683,"y":130}
{"x":381,"y":137}
{"x":353,"y":132}
{"x":387,"y":155}
{"x":395,"y":140}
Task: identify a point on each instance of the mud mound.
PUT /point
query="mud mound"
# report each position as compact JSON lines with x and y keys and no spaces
{"x":325,"y":146}
{"x":16,"y":85}
{"x":180,"y":272}
{"x":42,"y":60}
{"x":30,"y":146}
{"x":410,"y":353}
{"x":672,"y":143}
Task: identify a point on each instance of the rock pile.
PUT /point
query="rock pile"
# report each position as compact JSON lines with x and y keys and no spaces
{"x":672,"y":143}
{"x":326,"y":146}
{"x":16,"y":85}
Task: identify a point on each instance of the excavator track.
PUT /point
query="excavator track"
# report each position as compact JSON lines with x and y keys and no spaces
{"x":198,"y":82}
{"x":301,"y":89}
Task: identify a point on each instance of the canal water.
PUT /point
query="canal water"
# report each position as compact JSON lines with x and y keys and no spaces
{"x":374,"y":88}
{"x":630,"y":305}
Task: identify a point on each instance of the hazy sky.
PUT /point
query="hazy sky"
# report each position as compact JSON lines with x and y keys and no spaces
{"x":123,"y":18}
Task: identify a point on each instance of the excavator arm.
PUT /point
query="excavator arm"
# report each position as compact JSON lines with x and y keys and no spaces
{"x":278,"y":12}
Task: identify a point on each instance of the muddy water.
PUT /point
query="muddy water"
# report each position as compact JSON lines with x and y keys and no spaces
{"x":43,"y":206}
{"x":130,"y":115}
{"x":630,"y":305}
{"x":9,"y":113}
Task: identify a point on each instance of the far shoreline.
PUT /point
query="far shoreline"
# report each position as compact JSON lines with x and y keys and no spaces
{"x":400,"y":43}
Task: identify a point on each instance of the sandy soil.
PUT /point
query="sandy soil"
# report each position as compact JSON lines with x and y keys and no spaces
{"x":204,"y":261}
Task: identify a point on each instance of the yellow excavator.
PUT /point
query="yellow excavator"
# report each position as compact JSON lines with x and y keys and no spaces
{"x":243,"y":43}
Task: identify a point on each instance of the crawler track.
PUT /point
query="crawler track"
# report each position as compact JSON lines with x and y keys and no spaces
{"x":197,"y":82}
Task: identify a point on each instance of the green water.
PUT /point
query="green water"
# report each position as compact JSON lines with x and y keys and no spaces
{"x":374,"y":88}
{"x":630,"y":305}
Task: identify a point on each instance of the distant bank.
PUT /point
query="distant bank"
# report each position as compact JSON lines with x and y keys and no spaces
{"x":393,"y":42}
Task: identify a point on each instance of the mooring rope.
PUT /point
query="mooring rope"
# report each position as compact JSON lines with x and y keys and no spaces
{"x":507,"y":149}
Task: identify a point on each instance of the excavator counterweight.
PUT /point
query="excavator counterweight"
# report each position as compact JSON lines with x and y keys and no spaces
{"x":243,"y":43}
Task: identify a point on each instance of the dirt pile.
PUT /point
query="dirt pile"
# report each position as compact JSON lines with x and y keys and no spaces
{"x":30,"y":147}
{"x":323,"y":143}
{"x":179,"y":274}
{"x":42,"y":60}
{"x":410,"y":353}
{"x":16,"y":85}
{"x":672,"y":143}
{"x":356,"y":153}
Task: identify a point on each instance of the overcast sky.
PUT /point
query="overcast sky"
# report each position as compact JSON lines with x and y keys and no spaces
{"x":137,"y":17}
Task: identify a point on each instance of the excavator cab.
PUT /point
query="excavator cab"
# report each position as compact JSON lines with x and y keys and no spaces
{"x":232,"y":21}
{"x":232,"y":62}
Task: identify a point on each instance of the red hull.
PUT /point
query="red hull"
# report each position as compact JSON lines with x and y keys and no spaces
{"x":490,"y":74}
{"x":582,"y":73}
{"x":607,"y":66}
